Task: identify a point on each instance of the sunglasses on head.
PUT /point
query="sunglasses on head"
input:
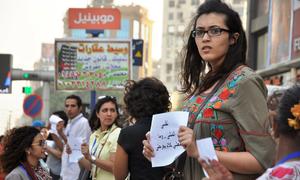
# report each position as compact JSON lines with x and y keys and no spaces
{"x":108,"y":97}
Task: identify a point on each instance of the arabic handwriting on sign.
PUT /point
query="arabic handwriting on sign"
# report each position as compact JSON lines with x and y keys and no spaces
{"x":164,"y":124}
{"x":171,"y":134}
{"x":94,"y":19}
{"x":168,"y":145}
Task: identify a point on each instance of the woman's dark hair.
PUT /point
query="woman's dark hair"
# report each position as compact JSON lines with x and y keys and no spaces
{"x":17,"y":141}
{"x":290,"y":98}
{"x":62,"y":115}
{"x":94,"y":120}
{"x":146,"y":97}
{"x":194,"y":80}
{"x":77,"y":98}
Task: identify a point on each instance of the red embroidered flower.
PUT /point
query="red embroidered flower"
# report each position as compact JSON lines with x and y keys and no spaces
{"x":218,"y":133}
{"x":218,"y":105}
{"x":224,"y":94}
{"x":280,"y":172}
{"x":199,"y":100}
{"x":207,"y":113}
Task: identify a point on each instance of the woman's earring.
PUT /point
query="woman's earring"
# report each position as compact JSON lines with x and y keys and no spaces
{"x":28,"y":152}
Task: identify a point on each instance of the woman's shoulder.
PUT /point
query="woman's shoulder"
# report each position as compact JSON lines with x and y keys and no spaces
{"x":288,"y":170}
{"x":16,"y":174}
{"x":244,"y":75}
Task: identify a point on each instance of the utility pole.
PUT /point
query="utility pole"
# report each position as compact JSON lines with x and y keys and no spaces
{"x":36,"y":75}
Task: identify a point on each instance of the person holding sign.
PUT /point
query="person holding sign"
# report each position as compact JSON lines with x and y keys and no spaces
{"x":226,"y":99}
{"x":142,"y":99}
{"x":99,"y":153}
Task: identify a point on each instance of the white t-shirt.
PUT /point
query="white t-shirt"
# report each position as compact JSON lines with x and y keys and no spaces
{"x":77,"y":127}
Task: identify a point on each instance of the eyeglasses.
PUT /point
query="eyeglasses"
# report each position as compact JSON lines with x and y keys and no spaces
{"x":108,"y":97}
{"x":212,"y":32}
{"x":40,"y":143}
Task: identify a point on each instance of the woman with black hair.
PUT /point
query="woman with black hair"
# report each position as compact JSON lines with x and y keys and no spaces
{"x":24,"y":147}
{"x":225,"y":98}
{"x":142,"y":99}
{"x":99,"y":153}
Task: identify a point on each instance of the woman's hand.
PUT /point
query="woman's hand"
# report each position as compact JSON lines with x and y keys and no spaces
{"x":85,"y":151}
{"x":186,"y":138}
{"x":215,"y":170}
{"x":148,"y":151}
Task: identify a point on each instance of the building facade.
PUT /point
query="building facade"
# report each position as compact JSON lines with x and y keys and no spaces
{"x":274,"y":40}
{"x":135,"y":24}
{"x":176,"y":16}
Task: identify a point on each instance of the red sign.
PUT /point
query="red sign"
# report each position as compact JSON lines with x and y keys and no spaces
{"x":32,"y":105}
{"x":94,"y":18}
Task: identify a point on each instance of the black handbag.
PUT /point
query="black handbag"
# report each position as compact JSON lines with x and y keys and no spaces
{"x":177,"y":172}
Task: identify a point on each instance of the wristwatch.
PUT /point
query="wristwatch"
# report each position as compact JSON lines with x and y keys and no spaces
{"x":93,"y":159}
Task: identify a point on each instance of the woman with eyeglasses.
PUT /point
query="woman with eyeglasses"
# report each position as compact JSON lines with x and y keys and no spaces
{"x":24,"y":147}
{"x":235,"y":112}
{"x":99,"y":152}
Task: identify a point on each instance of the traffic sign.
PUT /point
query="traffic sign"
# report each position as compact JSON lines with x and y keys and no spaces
{"x":32,"y":105}
{"x":137,"y":51}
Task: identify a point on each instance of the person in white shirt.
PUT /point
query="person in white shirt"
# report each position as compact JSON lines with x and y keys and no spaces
{"x":78,"y":129}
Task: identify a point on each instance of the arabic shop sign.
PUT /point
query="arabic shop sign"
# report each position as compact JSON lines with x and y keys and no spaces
{"x":92,"y":64}
{"x":94,"y":18}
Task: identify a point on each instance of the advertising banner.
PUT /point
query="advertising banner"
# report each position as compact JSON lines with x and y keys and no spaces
{"x":92,"y":64}
{"x":295,"y":50}
{"x":280,"y":32}
{"x":94,"y":18}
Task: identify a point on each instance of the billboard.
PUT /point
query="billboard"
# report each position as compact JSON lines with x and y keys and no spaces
{"x":295,"y":50}
{"x":280,"y":31}
{"x":94,"y":18}
{"x":92,"y":64}
{"x":5,"y":73}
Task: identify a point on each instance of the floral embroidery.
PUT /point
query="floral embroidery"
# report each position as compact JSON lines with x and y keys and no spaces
{"x":218,"y":105}
{"x":199,"y":100}
{"x":224,"y":94}
{"x":210,"y":110}
{"x":217,"y":134}
{"x":281,"y":172}
{"x":208,"y":113}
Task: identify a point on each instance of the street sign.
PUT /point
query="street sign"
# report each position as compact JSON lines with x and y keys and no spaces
{"x":137,"y":52}
{"x":32,"y":105}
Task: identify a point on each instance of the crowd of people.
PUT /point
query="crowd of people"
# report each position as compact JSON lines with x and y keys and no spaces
{"x":226,"y":101}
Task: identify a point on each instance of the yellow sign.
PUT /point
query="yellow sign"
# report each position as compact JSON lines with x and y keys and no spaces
{"x":138,"y":54}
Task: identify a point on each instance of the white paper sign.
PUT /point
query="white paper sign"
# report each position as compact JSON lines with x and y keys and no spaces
{"x":75,"y":145}
{"x":206,"y":150}
{"x":164,"y":137}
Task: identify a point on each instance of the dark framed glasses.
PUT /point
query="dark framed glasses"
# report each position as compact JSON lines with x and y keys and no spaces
{"x":212,"y":32}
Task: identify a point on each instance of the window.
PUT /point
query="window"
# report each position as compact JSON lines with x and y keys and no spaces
{"x":171,"y":29}
{"x":262,"y":44}
{"x":181,"y":1}
{"x":194,"y":2}
{"x":237,"y":1}
{"x":169,"y":78}
{"x":169,"y":68}
{"x":171,"y":4}
{"x":171,"y":16}
{"x":179,"y":15}
{"x":181,"y":28}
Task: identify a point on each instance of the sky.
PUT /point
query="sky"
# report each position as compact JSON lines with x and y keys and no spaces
{"x":26,"y":24}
